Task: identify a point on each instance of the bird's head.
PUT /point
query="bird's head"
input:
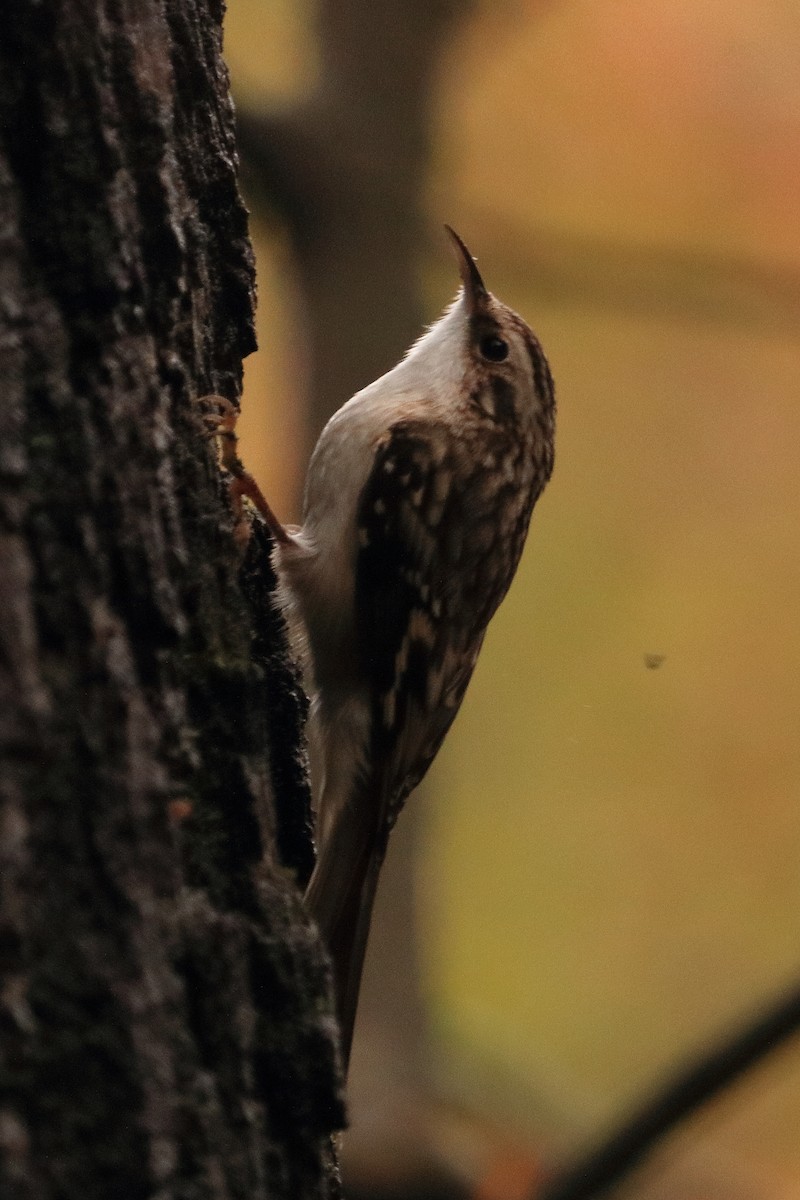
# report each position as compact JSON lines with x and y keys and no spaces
{"x":503,"y":359}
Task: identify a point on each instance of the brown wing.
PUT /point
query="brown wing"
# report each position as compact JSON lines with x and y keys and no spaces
{"x":419,"y":626}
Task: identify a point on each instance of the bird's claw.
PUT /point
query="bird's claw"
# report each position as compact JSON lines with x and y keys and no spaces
{"x":219,"y":416}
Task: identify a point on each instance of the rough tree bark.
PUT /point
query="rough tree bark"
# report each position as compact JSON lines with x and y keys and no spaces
{"x":165,"y":1020}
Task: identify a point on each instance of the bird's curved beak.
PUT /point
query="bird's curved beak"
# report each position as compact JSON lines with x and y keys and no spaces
{"x":475,"y":293}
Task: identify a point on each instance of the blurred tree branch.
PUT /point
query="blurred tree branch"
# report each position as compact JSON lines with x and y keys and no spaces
{"x":677,"y":1100}
{"x":648,"y":280}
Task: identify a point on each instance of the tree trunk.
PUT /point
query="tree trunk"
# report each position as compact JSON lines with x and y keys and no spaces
{"x":165,"y":1018}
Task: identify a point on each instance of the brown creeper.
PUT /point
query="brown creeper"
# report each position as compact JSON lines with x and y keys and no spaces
{"x":417,"y":503}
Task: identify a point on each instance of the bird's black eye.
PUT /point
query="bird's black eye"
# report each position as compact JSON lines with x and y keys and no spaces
{"x":493,"y":348}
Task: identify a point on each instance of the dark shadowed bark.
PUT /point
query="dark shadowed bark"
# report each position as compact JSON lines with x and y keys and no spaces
{"x":165,"y":1020}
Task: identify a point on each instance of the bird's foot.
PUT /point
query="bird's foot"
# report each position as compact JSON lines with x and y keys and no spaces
{"x":219,"y":416}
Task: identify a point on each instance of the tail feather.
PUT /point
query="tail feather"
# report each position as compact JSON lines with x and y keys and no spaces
{"x":340,"y":897}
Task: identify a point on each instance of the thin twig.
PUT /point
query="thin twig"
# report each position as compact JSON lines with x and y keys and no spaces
{"x":681,"y":1096}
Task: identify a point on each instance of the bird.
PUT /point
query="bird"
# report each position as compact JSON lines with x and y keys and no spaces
{"x":416,"y":508}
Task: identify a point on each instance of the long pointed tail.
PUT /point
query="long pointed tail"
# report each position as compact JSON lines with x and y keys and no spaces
{"x":340,"y":897}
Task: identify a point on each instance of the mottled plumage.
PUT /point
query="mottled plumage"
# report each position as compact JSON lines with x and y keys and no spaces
{"x":418,"y":499}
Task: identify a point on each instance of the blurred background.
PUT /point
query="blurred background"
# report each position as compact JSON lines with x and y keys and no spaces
{"x":602,"y":872}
